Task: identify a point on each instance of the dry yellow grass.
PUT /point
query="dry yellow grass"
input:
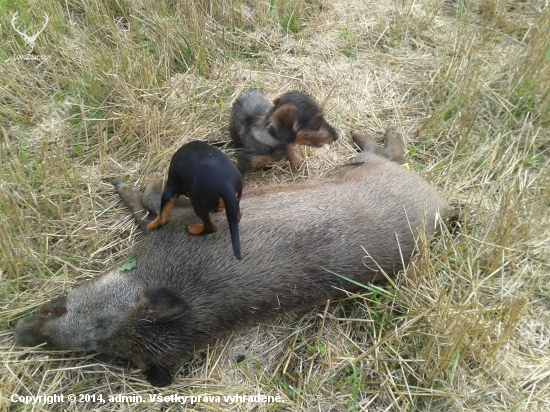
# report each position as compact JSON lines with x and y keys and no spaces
{"x":116,"y":87}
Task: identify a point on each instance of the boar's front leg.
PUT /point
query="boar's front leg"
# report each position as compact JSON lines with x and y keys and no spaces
{"x":133,"y":199}
{"x":158,"y":376}
{"x":153,"y":193}
{"x":141,"y":205}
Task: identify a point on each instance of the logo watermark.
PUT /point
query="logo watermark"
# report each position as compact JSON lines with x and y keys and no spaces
{"x":30,"y":41}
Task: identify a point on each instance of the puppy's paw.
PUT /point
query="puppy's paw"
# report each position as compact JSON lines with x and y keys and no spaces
{"x":195,"y":228}
{"x":155,"y":224}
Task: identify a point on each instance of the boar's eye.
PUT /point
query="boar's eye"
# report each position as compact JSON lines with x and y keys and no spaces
{"x":103,"y":322}
{"x":55,"y":308}
{"x":53,"y":311}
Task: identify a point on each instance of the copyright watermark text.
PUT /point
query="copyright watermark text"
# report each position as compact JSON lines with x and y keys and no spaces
{"x":98,"y":398}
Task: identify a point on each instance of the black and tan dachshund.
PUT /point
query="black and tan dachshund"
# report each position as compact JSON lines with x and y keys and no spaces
{"x":211,"y":181}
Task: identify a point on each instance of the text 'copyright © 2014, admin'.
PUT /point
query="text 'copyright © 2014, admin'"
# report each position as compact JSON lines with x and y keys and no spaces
{"x":99,"y":398}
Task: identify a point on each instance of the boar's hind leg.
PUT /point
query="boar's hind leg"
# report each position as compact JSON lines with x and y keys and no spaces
{"x":365,"y":142}
{"x":133,"y":199}
{"x":394,"y":148}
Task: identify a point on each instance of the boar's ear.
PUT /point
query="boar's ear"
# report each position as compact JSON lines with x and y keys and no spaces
{"x":55,"y":308}
{"x":162,"y":304}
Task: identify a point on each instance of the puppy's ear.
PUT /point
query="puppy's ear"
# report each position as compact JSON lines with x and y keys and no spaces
{"x":285,"y":123}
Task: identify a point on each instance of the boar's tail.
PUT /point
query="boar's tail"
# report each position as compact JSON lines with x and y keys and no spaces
{"x":233,"y":213}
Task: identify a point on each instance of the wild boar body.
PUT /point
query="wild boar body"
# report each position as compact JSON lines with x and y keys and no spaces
{"x":184,"y":291}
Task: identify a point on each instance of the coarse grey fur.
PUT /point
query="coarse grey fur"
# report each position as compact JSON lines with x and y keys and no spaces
{"x":185,"y":291}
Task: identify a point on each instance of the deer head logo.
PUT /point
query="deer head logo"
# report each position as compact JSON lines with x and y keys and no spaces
{"x":29,"y":40}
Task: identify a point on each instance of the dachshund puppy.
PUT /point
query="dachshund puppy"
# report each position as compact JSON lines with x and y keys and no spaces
{"x":268,"y":132}
{"x":211,"y":181}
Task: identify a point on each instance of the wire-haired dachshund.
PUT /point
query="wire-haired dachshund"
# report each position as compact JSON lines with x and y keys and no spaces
{"x":208,"y":177}
{"x":268,"y":132}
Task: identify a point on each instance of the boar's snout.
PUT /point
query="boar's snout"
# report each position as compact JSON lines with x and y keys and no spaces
{"x":30,"y":331}
{"x":35,"y":329}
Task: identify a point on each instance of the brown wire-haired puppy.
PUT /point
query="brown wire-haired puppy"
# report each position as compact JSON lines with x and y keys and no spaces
{"x":268,"y":132}
{"x":211,"y":181}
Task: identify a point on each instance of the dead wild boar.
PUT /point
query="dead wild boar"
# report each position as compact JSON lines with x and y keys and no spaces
{"x":186,"y":290}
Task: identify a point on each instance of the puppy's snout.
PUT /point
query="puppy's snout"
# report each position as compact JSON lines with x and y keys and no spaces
{"x":331,"y":133}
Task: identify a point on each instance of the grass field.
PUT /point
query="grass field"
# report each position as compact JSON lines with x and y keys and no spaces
{"x":109,"y":89}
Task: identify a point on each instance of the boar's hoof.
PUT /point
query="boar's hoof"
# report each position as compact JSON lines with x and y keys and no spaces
{"x":158,"y":376}
{"x":116,"y":184}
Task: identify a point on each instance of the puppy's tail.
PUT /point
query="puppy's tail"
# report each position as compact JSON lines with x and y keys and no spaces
{"x":233,"y":213}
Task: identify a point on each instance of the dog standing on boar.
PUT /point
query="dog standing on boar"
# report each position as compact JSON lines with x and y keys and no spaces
{"x":186,"y":291}
{"x":211,"y":181}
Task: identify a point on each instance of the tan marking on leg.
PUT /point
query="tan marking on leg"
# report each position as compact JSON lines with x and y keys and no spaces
{"x":195,"y":228}
{"x":291,"y":155}
{"x":162,"y":218}
{"x":257,"y":162}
